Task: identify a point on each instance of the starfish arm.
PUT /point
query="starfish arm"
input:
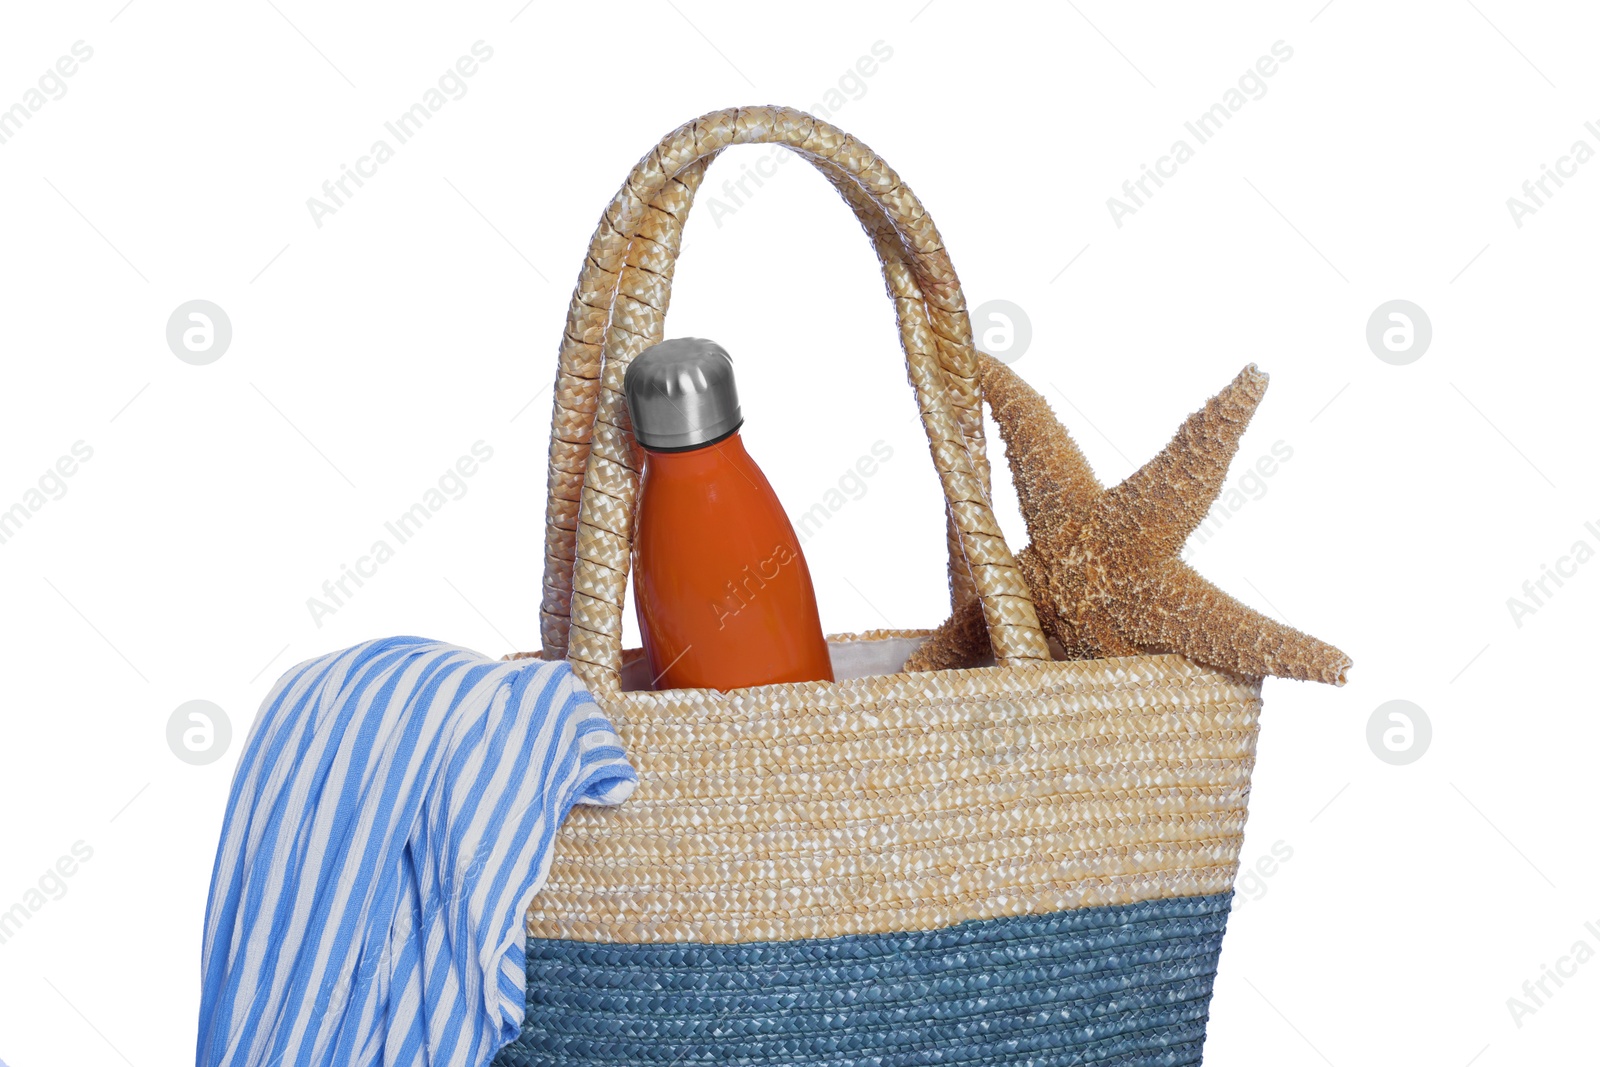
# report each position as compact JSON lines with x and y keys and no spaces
{"x":1054,"y":483}
{"x":1161,"y":503}
{"x":963,"y":639}
{"x":1174,"y":609}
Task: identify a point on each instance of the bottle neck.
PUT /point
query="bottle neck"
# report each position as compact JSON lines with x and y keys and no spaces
{"x":695,"y":462}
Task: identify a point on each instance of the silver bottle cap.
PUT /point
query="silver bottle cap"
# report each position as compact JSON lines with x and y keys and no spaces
{"x":681,"y":394}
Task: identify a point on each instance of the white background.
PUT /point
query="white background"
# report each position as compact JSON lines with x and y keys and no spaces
{"x":424,"y":316}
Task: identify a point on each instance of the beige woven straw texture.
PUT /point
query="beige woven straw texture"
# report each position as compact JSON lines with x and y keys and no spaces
{"x":618,"y":310}
{"x":881,"y":803}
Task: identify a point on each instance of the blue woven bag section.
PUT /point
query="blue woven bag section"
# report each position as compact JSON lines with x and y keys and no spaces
{"x":1128,"y":986}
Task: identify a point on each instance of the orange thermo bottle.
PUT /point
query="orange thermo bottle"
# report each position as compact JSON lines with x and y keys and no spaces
{"x":720,"y":584}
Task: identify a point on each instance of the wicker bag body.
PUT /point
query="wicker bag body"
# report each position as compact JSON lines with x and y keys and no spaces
{"x":1027,"y":863}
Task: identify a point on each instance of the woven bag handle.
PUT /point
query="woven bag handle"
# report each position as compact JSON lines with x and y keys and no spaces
{"x":576,"y":392}
{"x":618,"y":310}
{"x":577,"y":385}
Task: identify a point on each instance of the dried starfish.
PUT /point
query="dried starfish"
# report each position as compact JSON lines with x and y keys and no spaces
{"x":1103,"y":563}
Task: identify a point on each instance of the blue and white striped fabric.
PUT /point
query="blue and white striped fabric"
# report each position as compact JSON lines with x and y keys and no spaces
{"x":391,"y":817}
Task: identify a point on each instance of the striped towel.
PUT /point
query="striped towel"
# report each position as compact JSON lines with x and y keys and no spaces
{"x":391,"y":817}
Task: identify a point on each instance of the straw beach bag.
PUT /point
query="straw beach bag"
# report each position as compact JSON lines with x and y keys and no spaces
{"x":1025,"y":863}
